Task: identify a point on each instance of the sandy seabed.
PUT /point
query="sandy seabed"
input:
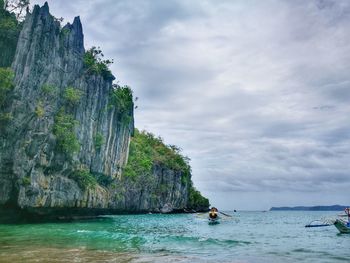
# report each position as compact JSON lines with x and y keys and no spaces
{"x":16,"y":254}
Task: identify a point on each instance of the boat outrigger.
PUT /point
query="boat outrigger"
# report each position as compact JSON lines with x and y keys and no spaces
{"x":339,"y":223}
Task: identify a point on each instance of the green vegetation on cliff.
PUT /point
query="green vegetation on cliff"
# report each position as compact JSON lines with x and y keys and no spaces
{"x":95,"y":64}
{"x":64,"y":130}
{"x":49,"y":89}
{"x":9,"y":32}
{"x":147,"y":150}
{"x":72,"y":95}
{"x":196,"y":201}
{"x":98,"y":140}
{"x":122,"y":98}
{"x":84,"y":178}
{"x":39,"y":110}
{"x":6,"y":84}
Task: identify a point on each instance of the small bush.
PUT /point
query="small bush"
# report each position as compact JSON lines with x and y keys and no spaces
{"x":49,"y":89}
{"x":98,"y":140}
{"x":122,"y":98}
{"x":64,"y":130}
{"x":72,"y":95}
{"x":6,"y":84}
{"x":84,"y":178}
{"x":95,"y":64}
{"x":39,"y":110}
{"x":26,"y":181}
{"x":5,"y":117}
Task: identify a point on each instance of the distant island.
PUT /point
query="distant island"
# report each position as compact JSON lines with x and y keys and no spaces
{"x":310,"y":208}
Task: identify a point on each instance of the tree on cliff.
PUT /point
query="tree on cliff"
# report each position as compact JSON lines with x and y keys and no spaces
{"x":9,"y":32}
{"x":16,"y":6}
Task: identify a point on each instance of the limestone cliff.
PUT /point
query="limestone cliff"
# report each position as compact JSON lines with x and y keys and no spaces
{"x":65,"y":139}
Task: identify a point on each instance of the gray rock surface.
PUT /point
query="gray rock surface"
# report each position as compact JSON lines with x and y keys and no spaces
{"x":163,"y":191}
{"x":49,"y":55}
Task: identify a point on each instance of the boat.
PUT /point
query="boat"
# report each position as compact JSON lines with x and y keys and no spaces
{"x":213,"y":216}
{"x":342,"y":226}
{"x":214,"y":221}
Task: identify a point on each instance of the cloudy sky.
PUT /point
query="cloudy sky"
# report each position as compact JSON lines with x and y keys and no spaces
{"x":256,"y":93}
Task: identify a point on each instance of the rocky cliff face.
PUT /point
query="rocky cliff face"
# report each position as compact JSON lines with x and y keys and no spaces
{"x":161,"y":191}
{"x":33,"y":172}
{"x":65,"y":141}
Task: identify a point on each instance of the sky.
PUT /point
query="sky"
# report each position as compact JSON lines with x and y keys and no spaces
{"x":256,"y":93}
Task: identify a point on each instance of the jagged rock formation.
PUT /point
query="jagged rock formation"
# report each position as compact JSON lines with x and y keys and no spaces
{"x":37,"y":172}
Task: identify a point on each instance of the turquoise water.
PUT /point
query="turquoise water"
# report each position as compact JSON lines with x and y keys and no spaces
{"x":249,"y":237}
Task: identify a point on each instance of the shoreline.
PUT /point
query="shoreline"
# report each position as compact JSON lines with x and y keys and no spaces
{"x":14,"y":215}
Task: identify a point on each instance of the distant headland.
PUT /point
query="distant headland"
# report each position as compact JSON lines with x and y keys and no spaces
{"x":310,"y":208}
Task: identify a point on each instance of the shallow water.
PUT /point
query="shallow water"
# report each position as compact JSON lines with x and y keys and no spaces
{"x":249,"y":237}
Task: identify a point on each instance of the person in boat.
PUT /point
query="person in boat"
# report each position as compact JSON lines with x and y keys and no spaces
{"x":347,"y":211}
{"x":213,"y":213}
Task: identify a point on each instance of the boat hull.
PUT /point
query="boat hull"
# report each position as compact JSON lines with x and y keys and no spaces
{"x":213,"y":221}
{"x":342,"y":227}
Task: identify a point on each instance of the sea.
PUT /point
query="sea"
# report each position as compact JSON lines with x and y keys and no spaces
{"x":247,"y":237}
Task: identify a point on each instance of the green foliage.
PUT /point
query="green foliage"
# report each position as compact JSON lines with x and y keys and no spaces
{"x":39,"y":110}
{"x":122,"y":99}
{"x":103,"y":179}
{"x":84,"y":178}
{"x":72,"y":95}
{"x":64,"y":126}
{"x":25,"y":181}
{"x":95,"y":64}
{"x":49,"y":89}
{"x":185,"y":179}
{"x":98,"y":140}
{"x":6,"y":84}
{"x":65,"y":31}
{"x":9,"y":32}
{"x":147,"y":150}
{"x":5,"y":117}
{"x":196,"y":200}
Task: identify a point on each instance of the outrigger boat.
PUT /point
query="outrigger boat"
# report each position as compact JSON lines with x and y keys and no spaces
{"x":339,"y":223}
